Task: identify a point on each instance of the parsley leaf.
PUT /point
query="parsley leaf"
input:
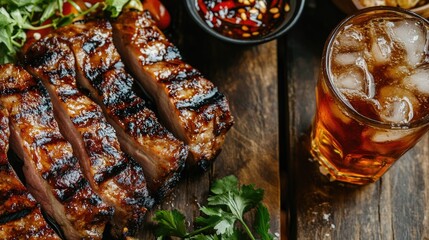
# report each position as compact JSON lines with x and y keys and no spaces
{"x":262,"y":223}
{"x":171,"y":223}
{"x":219,"y":220}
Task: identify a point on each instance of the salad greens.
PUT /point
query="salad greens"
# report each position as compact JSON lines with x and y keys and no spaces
{"x":19,"y":16}
{"x":222,"y":218}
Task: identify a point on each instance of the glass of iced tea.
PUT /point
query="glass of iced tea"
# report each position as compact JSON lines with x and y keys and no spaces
{"x":372,"y":94}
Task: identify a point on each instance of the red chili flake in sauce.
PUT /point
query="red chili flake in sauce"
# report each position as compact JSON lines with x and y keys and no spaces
{"x":243,"y":19}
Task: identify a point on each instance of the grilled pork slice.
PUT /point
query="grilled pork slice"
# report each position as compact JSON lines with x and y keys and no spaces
{"x":102,"y":73}
{"x":52,"y":173}
{"x":191,"y":105}
{"x":20,"y":216}
{"x":114,"y":176}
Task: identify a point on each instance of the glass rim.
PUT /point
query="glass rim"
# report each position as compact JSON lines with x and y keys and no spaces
{"x":339,"y":98}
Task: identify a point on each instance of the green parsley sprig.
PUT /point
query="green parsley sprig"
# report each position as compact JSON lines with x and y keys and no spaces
{"x":19,"y":16}
{"x":221,"y":218}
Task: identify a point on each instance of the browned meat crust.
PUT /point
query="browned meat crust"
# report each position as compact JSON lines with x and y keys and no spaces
{"x":20,"y":216}
{"x":52,"y":173}
{"x":115,"y":177}
{"x":102,"y":73}
{"x":191,"y":105}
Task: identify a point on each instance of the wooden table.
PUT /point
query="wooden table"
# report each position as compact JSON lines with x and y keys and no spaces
{"x":271,"y":92}
{"x":395,"y":207}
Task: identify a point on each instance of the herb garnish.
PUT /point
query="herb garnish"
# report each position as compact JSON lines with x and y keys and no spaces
{"x":226,"y":206}
{"x":19,"y":16}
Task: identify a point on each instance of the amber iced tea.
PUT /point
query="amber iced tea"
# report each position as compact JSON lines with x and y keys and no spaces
{"x":372,"y":94}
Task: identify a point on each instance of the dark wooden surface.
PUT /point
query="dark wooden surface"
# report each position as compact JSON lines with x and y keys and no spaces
{"x":395,"y":207}
{"x":271,"y":92}
{"x":248,"y":77}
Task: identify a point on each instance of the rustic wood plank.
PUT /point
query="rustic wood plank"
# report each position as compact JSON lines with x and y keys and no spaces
{"x":248,"y":77}
{"x":395,"y":207}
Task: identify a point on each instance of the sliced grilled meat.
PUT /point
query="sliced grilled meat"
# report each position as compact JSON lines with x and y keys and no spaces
{"x":20,"y":216}
{"x":114,"y":176}
{"x":52,"y":173}
{"x":102,"y":73}
{"x":191,"y":105}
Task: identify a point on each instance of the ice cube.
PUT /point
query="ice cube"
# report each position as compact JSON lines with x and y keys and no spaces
{"x":413,"y":37}
{"x":381,"y":136}
{"x":380,"y":43}
{"x":368,"y":78}
{"x":351,"y":80}
{"x":345,"y":59}
{"x":397,"y":105}
{"x":419,"y":80}
{"x":350,"y":39}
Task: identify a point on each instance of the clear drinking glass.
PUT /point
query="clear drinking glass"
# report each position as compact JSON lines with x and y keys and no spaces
{"x":372,"y":95}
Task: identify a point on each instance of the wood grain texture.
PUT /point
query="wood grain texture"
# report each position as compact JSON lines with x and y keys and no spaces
{"x":395,"y":207}
{"x":248,"y":77}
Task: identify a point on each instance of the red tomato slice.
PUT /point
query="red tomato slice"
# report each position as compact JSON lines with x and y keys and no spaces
{"x":159,"y":13}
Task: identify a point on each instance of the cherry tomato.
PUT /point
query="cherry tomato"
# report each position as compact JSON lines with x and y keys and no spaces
{"x":159,"y":13}
{"x":69,"y":9}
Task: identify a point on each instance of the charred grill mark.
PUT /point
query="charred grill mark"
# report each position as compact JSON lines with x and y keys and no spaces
{"x":128,"y":110}
{"x":92,"y":44}
{"x":43,"y":57}
{"x":148,"y":127}
{"x":67,"y":185}
{"x":178,"y":75}
{"x":37,"y":108}
{"x":66,"y":93}
{"x":101,"y":144}
{"x":16,"y":192}
{"x":118,"y":89}
{"x":47,"y":138}
{"x":149,"y":35}
{"x":198,"y":101}
{"x":60,"y":72}
{"x":12,"y":91}
{"x":92,"y":73}
{"x":86,"y":118}
{"x":9,"y":217}
{"x":44,"y":53}
{"x":59,"y":167}
{"x":110,"y":172}
{"x":157,"y":51}
{"x":58,"y":63}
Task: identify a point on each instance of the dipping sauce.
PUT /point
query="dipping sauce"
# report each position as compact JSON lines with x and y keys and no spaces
{"x":243,"y":19}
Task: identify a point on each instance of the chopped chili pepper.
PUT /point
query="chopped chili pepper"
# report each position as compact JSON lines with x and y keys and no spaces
{"x":242,"y":18}
{"x":274,"y":3}
{"x":224,"y":5}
